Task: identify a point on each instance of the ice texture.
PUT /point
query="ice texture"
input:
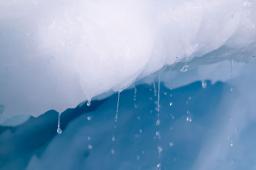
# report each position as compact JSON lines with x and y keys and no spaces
{"x":196,"y":128}
{"x":58,"y":54}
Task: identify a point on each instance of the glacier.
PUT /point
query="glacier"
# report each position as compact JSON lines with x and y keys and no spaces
{"x":93,"y":84}
{"x":62,"y":53}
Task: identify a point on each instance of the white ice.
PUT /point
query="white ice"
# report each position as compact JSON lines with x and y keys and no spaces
{"x":56,"y":54}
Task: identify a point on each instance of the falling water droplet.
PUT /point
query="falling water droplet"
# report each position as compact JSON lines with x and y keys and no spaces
{"x":157,"y":134}
{"x":158,"y":166}
{"x":158,"y":122}
{"x":135,"y":94}
{"x":138,"y":157}
{"x":117,"y":106}
{"x":135,"y":97}
{"x":159,"y":149}
{"x":112,"y":151}
{"x":184,"y":68}
{"x":59,"y":130}
{"x":89,"y":118}
{"x":90,"y":147}
{"x":171,"y":104}
{"x":204,"y":84}
{"x":231,"y":89}
{"x":171,"y":144}
{"x":113,"y":138}
{"x":89,"y":138}
{"x":189,"y":119}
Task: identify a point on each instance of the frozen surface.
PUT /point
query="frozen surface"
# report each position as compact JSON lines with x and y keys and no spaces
{"x":150,"y":84}
{"x":58,"y":54}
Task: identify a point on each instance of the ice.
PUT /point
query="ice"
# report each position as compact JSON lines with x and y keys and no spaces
{"x":186,"y":70}
{"x":221,"y":134}
{"x":117,"y":106}
{"x":59,"y":130}
{"x":58,"y":54}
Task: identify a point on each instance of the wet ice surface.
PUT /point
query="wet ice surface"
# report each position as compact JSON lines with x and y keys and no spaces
{"x":195,"y":131}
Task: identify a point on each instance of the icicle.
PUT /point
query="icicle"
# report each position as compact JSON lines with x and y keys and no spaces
{"x":117,"y":106}
{"x":88,"y":103}
{"x":59,"y":130}
{"x":204,"y":84}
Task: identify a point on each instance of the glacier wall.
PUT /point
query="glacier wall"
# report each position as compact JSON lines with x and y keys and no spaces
{"x":58,"y":54}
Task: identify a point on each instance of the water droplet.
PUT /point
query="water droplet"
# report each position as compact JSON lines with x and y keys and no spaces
{"x":231,"y":89}
{"x":90,"y":147}
{"x":158,"y":166}
{"x":113,"y":138}
{"x":89,"y":118}
{"x":171,"y":104}
{"x":59,"y":131}
{"x":138,"y":117}
{"x":171,"y":144}
{"x":159,"y":149}
{"x":158,"y":122}
{"x":112,"y":151}
{"x":157,"y":134}
{"x":88,"y":103}
{"x":89,"y":138}
{"x":189,"y":119}
{"x":184,"y":68}
{"x":138,"y":157}
{"x":135,"y":94}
